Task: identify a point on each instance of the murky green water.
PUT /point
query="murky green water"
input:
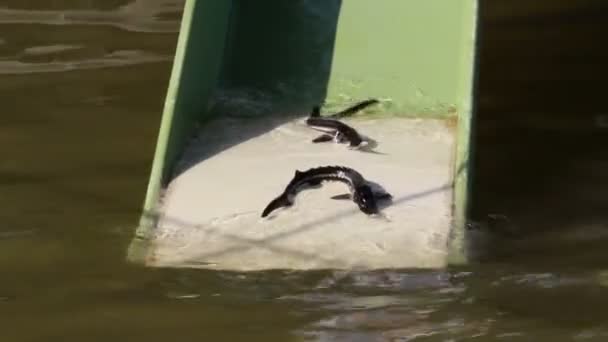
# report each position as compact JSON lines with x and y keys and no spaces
{"x":82,"y":85}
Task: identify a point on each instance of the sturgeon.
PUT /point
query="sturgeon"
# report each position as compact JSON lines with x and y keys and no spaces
{"x":336,"y":130}
{"x":364,"y":193}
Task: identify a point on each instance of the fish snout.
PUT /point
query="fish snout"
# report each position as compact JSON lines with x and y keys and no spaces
{"x":364,"y":197}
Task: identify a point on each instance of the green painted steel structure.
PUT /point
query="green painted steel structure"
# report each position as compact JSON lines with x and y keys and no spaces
{"x":196,"y":69}
{"x":417,"y":56}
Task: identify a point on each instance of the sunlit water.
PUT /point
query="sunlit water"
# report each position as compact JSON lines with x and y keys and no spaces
{"x":82,"y":85}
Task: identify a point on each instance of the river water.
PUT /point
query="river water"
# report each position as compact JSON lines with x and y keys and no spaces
{"x":82,"y":85}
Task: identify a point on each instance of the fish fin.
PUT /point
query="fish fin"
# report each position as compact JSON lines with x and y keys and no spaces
{"x":316,"y":112}
{"x":279,"y":202}
{"x":323,"y":138}
{"x":341,"y":197}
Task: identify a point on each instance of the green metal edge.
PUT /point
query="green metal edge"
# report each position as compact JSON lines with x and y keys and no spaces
{"x":207,"y":22}
{"x":405,"y":53}
{"x":457,"y":249}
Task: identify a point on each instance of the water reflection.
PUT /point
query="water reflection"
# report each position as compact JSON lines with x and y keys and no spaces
{"x":114,"y":59}
{"x":137,"y":16}
{"x":451,"y":306}
{"x":77,"y":47}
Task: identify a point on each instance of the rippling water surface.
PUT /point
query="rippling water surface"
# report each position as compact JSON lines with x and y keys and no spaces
{"x":82,"y":85}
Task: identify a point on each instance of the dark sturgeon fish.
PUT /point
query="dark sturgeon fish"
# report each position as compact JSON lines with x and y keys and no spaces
{"x":338,"y":131}
{"x":364,"y":193}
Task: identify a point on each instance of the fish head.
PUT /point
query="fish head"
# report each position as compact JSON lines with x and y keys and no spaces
{"x":365,"y":199}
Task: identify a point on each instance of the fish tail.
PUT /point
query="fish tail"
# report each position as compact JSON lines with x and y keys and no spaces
{"x":353,"y":109}
{"x":281,"y":201}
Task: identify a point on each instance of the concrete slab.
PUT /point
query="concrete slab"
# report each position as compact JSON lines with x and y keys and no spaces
{"x":210,"y":215}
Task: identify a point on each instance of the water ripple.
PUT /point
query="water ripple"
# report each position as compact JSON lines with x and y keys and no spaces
{"x":137,"y":16}
{"x":114,"y":59}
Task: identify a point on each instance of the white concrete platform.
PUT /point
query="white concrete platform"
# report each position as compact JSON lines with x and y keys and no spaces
{"x":210,"y":216}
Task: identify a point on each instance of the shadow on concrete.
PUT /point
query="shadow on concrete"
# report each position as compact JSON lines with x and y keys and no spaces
{"x":277,"y":64}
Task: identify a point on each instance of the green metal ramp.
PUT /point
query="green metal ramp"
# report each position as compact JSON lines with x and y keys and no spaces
{"x":245,"y":72}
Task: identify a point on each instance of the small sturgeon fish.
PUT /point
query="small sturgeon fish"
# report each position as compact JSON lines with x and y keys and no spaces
{"x":338,"y":131}
{"x":364,"y":193}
